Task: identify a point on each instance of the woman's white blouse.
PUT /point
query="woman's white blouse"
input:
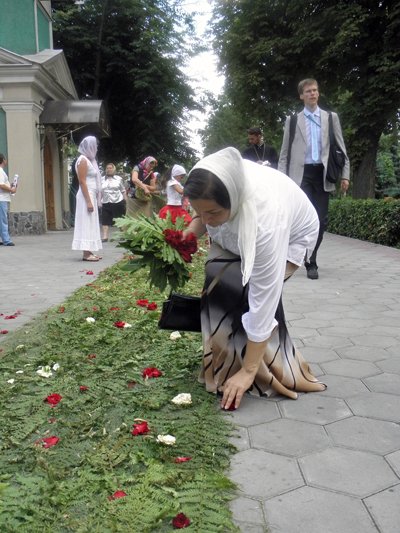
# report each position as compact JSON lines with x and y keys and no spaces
{"x":287,"y":230}
{"x":173,"y":196}
{"x":112,"y":188}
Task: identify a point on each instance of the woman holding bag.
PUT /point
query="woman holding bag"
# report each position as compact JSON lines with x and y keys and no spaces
{"x":262,"y":226}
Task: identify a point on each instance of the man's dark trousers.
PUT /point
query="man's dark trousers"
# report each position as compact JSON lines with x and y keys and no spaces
{"x":313,"y":185}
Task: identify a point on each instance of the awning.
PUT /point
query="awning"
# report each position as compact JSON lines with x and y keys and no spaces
{"x":68,"y":116}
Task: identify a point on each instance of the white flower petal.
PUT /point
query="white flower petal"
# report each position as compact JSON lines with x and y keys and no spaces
{"x":168,"y":440}
{"x":44,"y":371}
{"x":126,"y":325}
{"x":175,"y":335}
{"x":56,"y":366}
{"x":91,"y":320}
{"x":184,"y":398}
{"x":20,"y":346}
{"x":11,"y":381}
{"x":19,"y":372}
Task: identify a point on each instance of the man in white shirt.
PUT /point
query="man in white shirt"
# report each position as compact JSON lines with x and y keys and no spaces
{"x":5,"y":198}
{"x":304,"y":158}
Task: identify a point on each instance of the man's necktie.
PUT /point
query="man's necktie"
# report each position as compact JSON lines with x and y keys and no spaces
{"x":314,"y":138}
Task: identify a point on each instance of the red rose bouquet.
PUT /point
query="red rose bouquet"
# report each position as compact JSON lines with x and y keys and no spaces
{"x":159,"y":245}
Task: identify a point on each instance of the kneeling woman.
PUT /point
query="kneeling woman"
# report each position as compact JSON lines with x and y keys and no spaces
{"x":262,"y":227}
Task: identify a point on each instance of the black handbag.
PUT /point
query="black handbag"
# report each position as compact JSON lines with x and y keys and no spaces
{"x":181,"y":312}
{"x":336,"y":159}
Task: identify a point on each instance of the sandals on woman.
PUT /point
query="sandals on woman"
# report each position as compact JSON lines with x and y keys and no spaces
{"x":91,"y":258}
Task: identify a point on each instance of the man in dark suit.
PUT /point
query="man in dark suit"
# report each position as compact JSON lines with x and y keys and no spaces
{"x":258,"y":151}
{"x":306,"y":160}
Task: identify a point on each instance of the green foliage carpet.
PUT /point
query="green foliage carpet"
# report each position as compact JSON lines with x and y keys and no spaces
{"x":70,"y":485}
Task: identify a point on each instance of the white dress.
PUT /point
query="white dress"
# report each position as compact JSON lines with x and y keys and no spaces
{"x":87,"y":225}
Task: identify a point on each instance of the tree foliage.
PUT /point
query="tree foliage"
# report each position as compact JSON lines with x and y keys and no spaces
{"x":351,"y":48}
{"x":129,"y":53}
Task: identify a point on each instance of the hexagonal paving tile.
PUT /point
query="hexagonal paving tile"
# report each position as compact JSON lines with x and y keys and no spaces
{"x":342,"y":331}
{"x":386,"y":382}
{"x":342,"y":387}
{"x":315,"y":408}
{"x":348,"y":471}
{"x":376,"y":405}
{"x":240,"y":438}
{"x":366,"y":434}
{"x":390,"y":365}
{"x":253,"y":411}
{"x":363,"y":353}
{"x":385,"y":509}
{"x":350,"y":368}
{"x":374,"y":340}
{"x":318,"y":354}
{"x":247,"y":510}
{"x":289,"y":437}
{"x":325,"y":341}
{"x":261,"y":474}
{"x":310,"y":510}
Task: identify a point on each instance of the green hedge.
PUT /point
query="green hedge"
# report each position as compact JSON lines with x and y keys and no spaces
{"x":369,"y":220}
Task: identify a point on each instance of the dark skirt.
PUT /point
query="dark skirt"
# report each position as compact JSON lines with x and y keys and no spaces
{"x":111,"y":211}
{"x":282,"y":370}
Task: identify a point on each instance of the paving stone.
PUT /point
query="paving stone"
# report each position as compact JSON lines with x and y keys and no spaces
{"x":240,"y":438}
{"x":366,"y":434}
{"x":363,"y":353}
{"x":374,"y":340}
{"x":342,"y":331}
{"x":245,"y":527}
{"x":315,"y":408}
{"x":394,"y":460}
{"x":385,"y":509}
{"x":261,"y":474}
{"x":386,"y":382}
{"x":390,"y":365}
{"x":301,"y":333}
{"x":327,"y":315}
{"x":342,"y":386}
{"x":289,"y":437}
{"x":316,"y":371}
{"x":386,"y":320}
{"x":376,"y":405}
{"x":311,"y":510}
{"x":311,"y":323}
{"x":325,"y":341}
{"x":318,"y":354}
{"x":356,"y":473}
{"x":393,"y":350}
{"x":253,"y":411}
{"x":350,"y":368}
{"x":247,"y":510}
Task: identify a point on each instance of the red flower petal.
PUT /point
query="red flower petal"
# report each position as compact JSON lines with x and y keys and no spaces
{"x":89,"y":272}
{"x":3,"y":331}
{"x":114,"y":308}
{"x":53,"y":399}
{"x":48,"y":442}
{"x":152,"y":306}
{"x":182,"y":459}
{"x":180,"y":521}
{"x":92,"y":356}
{"x":142,"y":303}
{"x":140,"y":428}
{"x":151,"y":372}
{"x":119,"y":324}
{"x":83,"y":388}
{"x":61,"y":309}
{"x":117,"y":494}
{"x":10,"y":317}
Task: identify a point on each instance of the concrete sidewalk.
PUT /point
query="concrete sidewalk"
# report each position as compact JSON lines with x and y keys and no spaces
{"x":328,"y":462}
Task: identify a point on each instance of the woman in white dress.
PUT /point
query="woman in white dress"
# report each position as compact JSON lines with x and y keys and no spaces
{"x":87,"y":228}
{"x":262,"y":227}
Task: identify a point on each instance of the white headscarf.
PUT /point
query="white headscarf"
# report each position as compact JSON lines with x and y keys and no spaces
{"x":88,"y":148}
{"x":227,"y":165}
{"x":177,"y":170}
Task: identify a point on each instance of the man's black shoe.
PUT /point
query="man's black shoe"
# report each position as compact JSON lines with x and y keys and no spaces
{"x":312,"y":272}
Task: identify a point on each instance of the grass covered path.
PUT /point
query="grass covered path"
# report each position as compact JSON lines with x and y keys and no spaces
{"x":75,"y":407}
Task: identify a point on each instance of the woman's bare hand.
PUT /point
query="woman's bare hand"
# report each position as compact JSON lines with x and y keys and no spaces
{"x":235,"y":388}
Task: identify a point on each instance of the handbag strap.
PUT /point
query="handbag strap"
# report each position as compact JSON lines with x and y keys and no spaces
{"x":332,"y":139}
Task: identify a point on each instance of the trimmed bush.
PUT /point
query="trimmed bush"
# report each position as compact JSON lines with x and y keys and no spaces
{"x":375,"y":221}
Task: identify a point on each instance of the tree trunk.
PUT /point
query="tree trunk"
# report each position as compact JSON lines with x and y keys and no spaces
{"x":365,"y":173}
{"x":98,"y":52}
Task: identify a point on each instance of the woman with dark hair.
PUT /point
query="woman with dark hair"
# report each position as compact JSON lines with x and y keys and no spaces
{"x":262,"y":227}
{"x":171,"y":181}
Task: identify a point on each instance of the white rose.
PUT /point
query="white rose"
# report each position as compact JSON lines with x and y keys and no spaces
{"x":168,"y":440}
{"x":56,"y":366}
{"x":91,"y":320}
{"x":175,"y":335}
{"x":182,"y":399}
{"x":11,"y":381}
{"x":44,"y":371}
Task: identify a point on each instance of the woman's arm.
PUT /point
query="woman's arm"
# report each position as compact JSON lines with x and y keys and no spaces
{"x":196,"y":227}
{"x":139,"y":184}
{"x":82,"y":173}
{"x":152,"y":187}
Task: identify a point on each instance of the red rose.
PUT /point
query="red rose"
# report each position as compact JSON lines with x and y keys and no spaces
{"x":180,"y":521}
{"x":182,"y":459}
{"x":173,"y":237}
{"x":119,"y":324}
{"x":53,"y":399}
{"x":48,"y":442}
{"x":92,"y":356}
{"x":152,"y":306}
{"x":140,"y":428}
{"x":89,"y":272}
{"x":83,"y":388}
{"x":188,"y":247}
{"x":3,"y":331}
{"x":142,"y":303}
{"x":117,"y":494}
{"x":151,"y":372}
{"x":114,"y":309}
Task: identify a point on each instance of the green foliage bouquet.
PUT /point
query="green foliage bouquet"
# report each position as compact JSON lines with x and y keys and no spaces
{"x":160,"y":245}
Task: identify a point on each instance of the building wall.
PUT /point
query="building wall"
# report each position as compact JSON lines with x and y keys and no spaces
{"x":3,"y":131}
{"x":25,"y":26}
